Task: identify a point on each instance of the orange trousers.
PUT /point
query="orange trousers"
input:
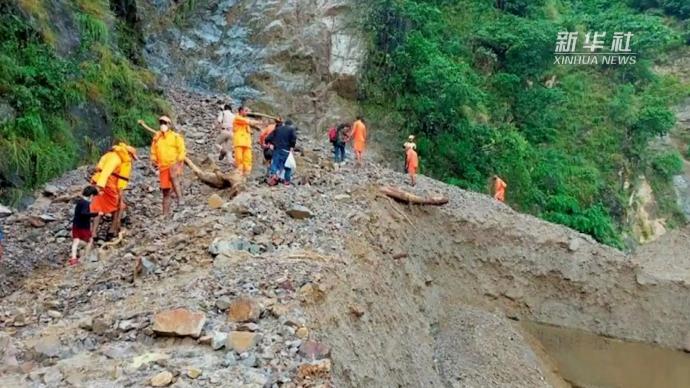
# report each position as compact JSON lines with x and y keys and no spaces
{"x":243,"y":159}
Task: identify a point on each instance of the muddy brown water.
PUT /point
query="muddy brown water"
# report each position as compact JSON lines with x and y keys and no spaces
{"x":588,"y":360}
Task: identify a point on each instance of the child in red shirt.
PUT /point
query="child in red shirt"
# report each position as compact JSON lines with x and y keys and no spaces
{"x":81,"y":224}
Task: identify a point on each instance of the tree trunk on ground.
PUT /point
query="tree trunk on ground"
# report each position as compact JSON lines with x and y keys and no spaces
{"x":403,"y":196}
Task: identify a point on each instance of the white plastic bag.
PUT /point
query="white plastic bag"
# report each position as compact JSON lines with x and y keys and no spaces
{"x":290,"y":162}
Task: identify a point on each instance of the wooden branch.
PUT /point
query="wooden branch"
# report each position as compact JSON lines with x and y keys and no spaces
{"x":403,"y":196}
{"x":262,"y":115}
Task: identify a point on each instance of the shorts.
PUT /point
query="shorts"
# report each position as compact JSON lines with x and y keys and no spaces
{"x":166,"y":174}
{"x":106,"y":202}
{"x":81,"y":234}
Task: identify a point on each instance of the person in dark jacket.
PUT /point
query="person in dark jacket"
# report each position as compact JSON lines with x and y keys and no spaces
{"x":340,"y":141}
{"x":282,"y":141}
{"x":81,"y":224}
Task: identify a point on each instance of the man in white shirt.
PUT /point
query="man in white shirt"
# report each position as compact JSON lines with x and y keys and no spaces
{"x":224,"y":123}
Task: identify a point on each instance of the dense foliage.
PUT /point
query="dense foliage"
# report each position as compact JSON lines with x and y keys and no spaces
{"x":46,"y":96}
{"x":476,"y":80}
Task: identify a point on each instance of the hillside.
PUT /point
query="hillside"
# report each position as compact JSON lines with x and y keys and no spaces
{"x":480,"y":84}
{"x":355,"y":276}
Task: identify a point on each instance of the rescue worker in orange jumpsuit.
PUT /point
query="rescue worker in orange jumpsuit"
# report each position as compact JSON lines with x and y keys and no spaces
{"x":358,"y":134}
{"x":411,"y":162}
{"x":168,"y":153}
{"x":242,"y":141}
{"x":499,"y":188}
{"x":268,"y":152}
{"x":111,"y":178}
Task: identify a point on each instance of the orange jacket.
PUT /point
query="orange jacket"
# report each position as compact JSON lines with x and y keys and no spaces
{"x":358,"y":132}
{"x":167,"y":149}
{"x":242,"y":133}
{"x":500,"y":189}
{"x":264,"y":134}
{"x":113,"y":169}
{"x":412,"y":159}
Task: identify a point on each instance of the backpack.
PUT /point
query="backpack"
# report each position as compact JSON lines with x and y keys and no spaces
{"x":332,"y":134}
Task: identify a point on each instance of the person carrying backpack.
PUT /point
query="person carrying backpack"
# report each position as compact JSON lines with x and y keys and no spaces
{"x":339,"y":141}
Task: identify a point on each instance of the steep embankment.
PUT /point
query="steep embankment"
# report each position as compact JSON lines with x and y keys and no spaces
{"x":333,"y":298}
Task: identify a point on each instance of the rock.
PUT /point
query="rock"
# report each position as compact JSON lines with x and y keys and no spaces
{"x":147,"y":358}
{"x":574,"y":244}
{"x":205,"y":340}
{"x":218,"y":341}
{"x":229,"y":359}
{"x":148,"y":266}
{"x":5,"y":211}
{"x":251,"y":326}
{"x":302,"y":332}
{"x":279,"y":310}
{"x":48,"y":346}
{"x":299,"y":212}
{"x":244,"y":310}
{"x":180,"y":322}
{"x":242,"y":341}
{"x":162,"y":379}
{"x":100,"y":325}
{"x":311,"y":293}
{"x":52,"y":377}
{"x":193,"y":373}
{"x":314,"y":350}
{"x":215,"y":201}
{"x":51,"y":191}
{"x":47,"y":217}
{"x":341,"y":197}
{"x":223,"y":303}
{"x":54,"y":314}
{"x":127,"y":325}
{"x":20,"y":315}
{"x":250,"y":361}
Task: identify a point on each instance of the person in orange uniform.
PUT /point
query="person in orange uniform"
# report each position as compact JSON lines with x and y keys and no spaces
{"x":358,"y":134}
{"x":111,"y":178}
{"x":268,"y":152}
{"x":242,"y":141}
{"x":499,"y":188}
{"x":411,"y":163}
{"x":168,"y":153}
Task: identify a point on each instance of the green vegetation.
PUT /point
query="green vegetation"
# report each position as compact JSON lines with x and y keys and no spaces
{"x":40,"y":88}
{"x":476,"y":80}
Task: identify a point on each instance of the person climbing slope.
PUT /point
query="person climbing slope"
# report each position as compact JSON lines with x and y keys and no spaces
{"x":499,"y":188}
{"x":358,"y":134}
{"x":224,"y":122}
{"x":268,"y":152}
{"x":110,"y":178}
{"x":242,"y":141}
{"x":168,"y":152}
{"x":283,"y":141}
{"x":81,"y":224}
{"x":411,"y":163}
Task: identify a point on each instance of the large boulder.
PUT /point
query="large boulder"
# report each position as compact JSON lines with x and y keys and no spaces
{"x":180,"y":322}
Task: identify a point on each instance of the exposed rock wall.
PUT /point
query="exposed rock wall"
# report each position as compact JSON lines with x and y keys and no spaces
{"x":296,"y":58}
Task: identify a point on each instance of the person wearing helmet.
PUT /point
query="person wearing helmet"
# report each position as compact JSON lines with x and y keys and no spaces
{"x":168,"y":153}
{"x":498,"y":187}
{"x":268,"y":152}
{"x":111,"y":178}
{"x":224,"y":123}
{"x":410,"y":143}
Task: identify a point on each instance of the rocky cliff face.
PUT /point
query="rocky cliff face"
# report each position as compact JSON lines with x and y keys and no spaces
{"x":296,"y":58}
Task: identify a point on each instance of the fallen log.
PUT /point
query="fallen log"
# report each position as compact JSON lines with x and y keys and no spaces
{"x":216,"y":178}
{"x":405,"y":197}
{"x":262,"y":115}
